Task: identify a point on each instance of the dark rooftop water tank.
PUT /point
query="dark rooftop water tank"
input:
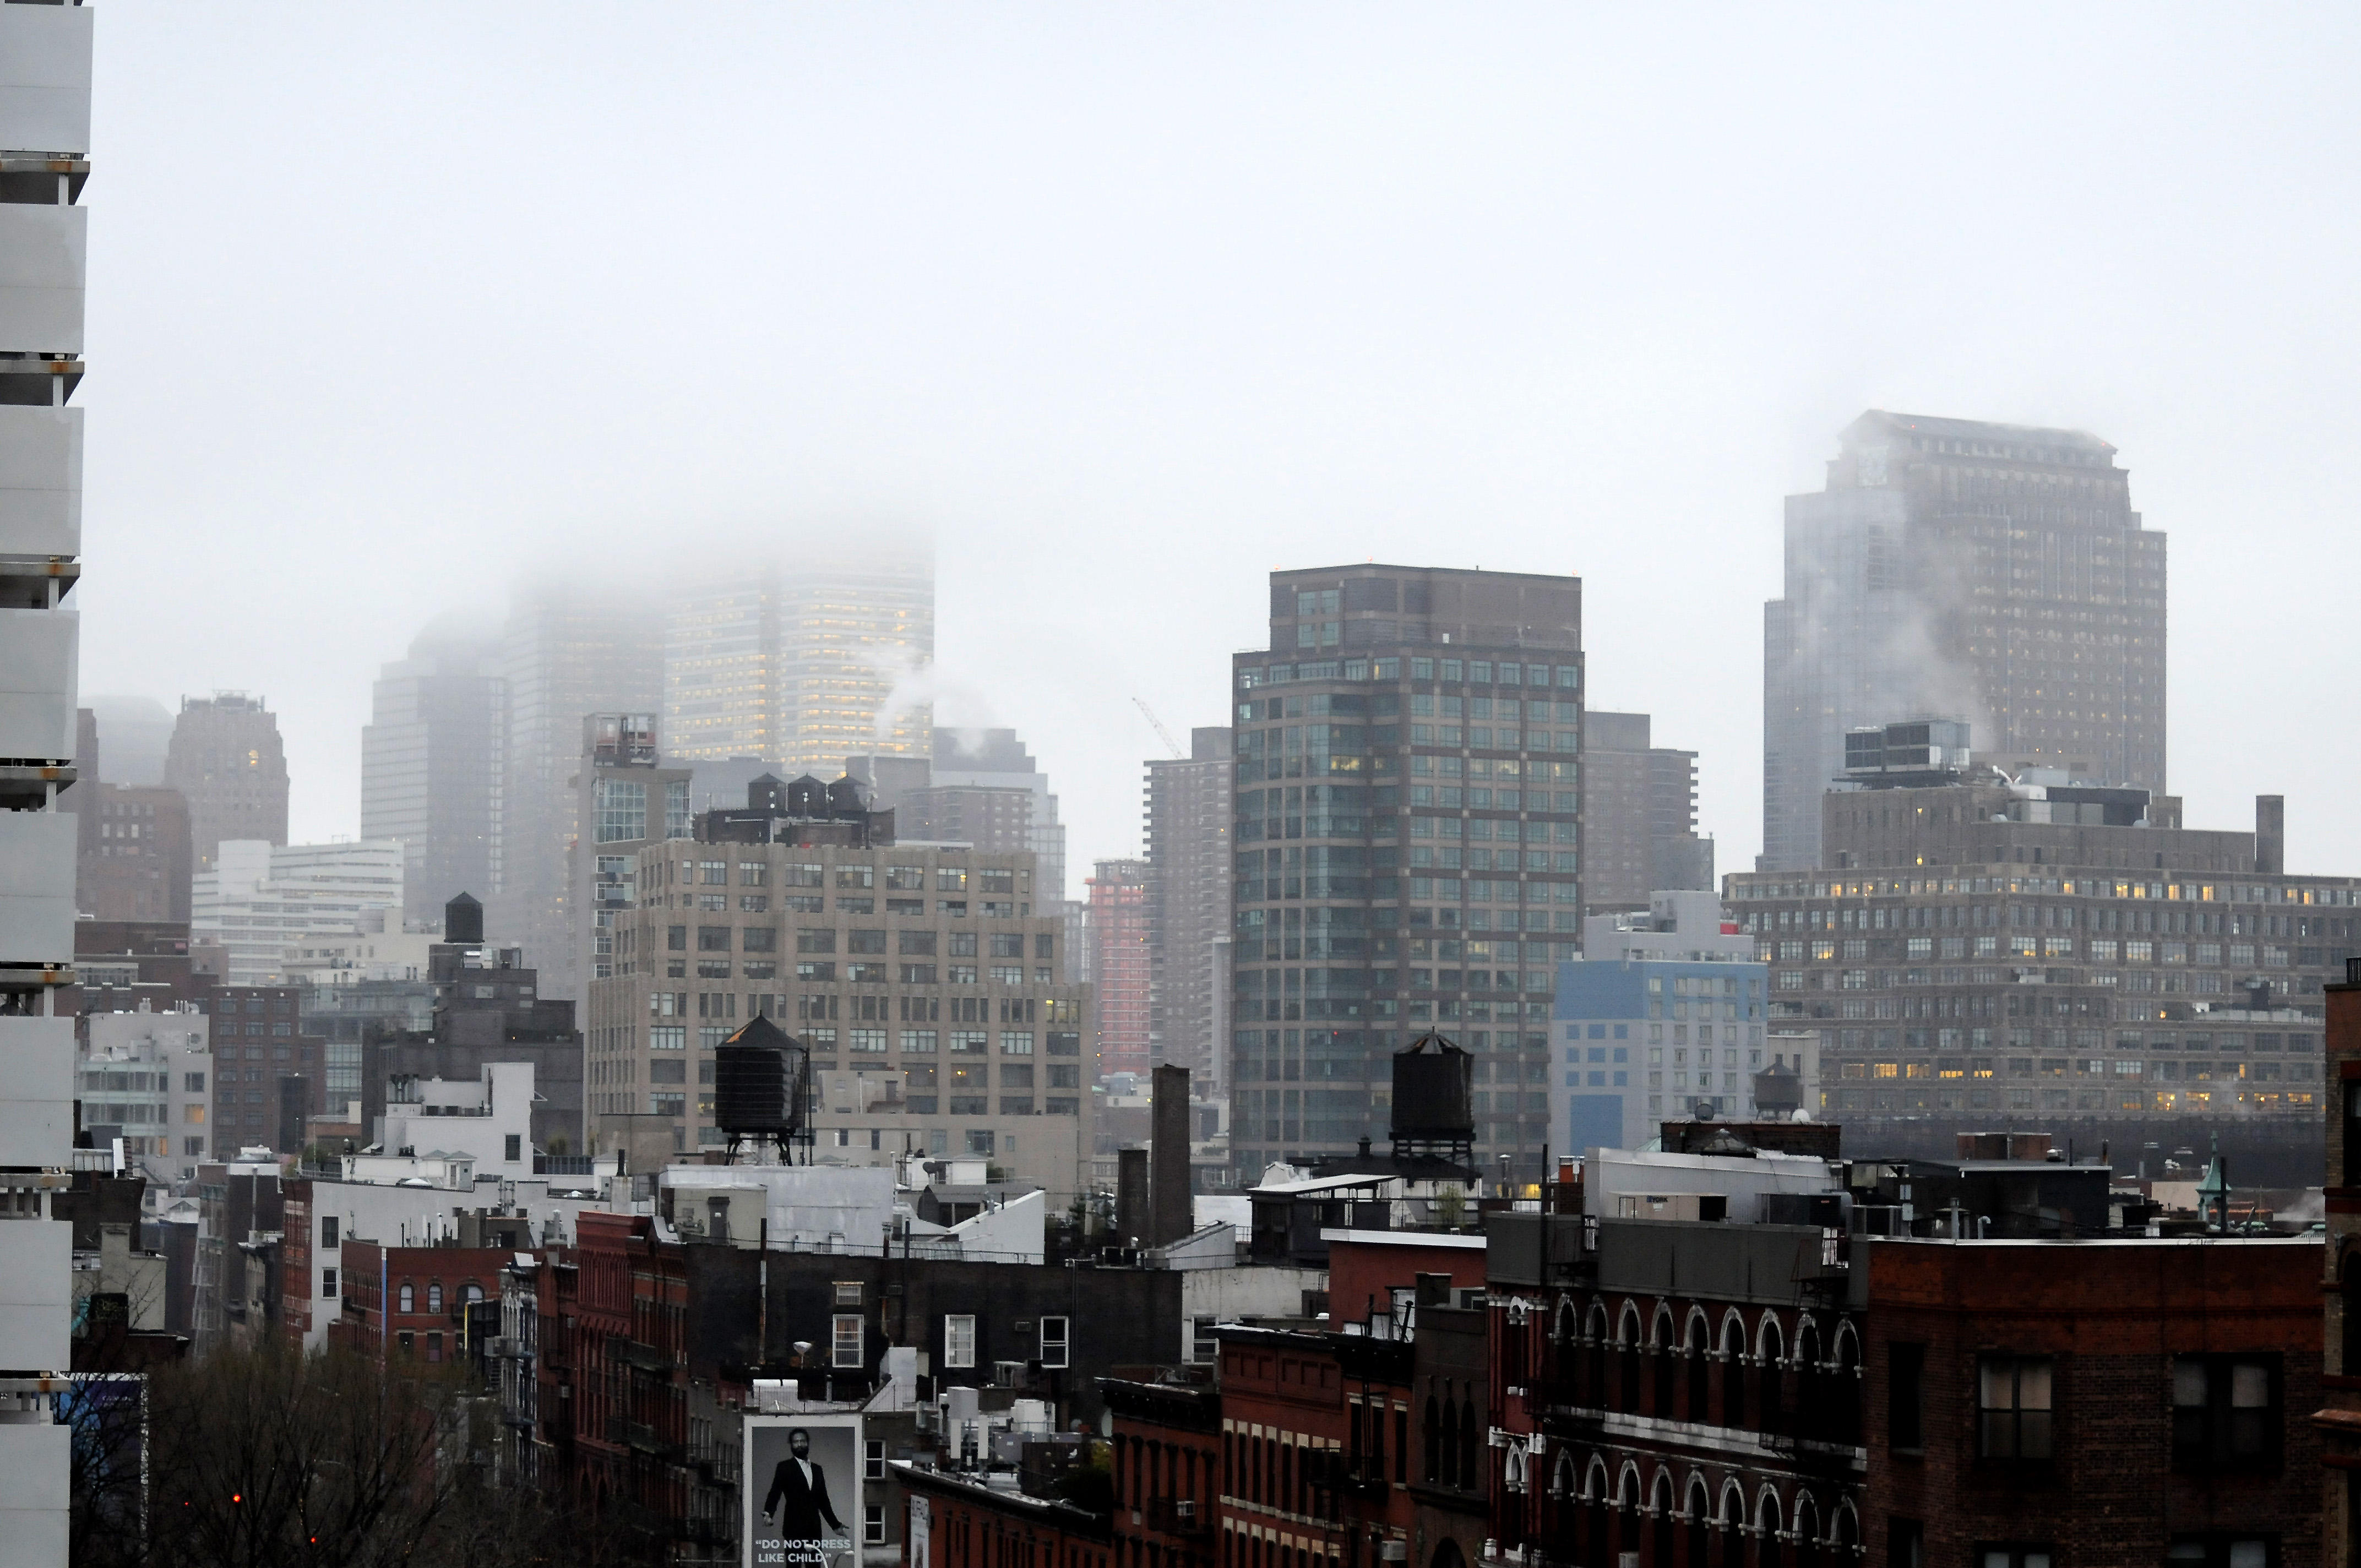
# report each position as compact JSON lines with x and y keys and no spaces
{"x":758,"y":1082}
{"x":1433,"y":1097}
{"x":806,"y":797}
{"x":463,"y":920}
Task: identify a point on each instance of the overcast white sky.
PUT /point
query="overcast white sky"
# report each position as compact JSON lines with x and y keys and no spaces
{"x":1131,"y":304}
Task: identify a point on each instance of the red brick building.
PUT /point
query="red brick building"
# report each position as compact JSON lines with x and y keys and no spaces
{"x":613,"y":1370}
{"x":413,"y":1300}
{"x":1365,"y":1267}
{"x":1316,"y":1460}
{"x":955,"y":1521}
{"x":2339,"y":1420}
{"x":1167,"y":1457}
{"x":2068,"y":1404}
{"x":1686,"y":1391}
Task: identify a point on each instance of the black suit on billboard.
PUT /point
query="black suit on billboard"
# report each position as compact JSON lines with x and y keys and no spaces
{"x":800,"y":1508}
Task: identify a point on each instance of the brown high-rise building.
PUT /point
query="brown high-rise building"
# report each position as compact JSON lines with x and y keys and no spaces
{"x":1189,"y":842}
{"x":1409,"y":848}
{"x":1118,"y":935}
{"x":1639,"y":815}
{"x":228,"y":762}
{"x":1988,"y":572}
{"x":132,"y":860}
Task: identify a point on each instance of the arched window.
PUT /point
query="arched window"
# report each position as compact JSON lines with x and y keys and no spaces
{"x":1733,"y":1374}
{"x":1700,"y":1526}
{"x":1432,"y":1432}
{"x":1844,"y":1392}
{"x":409,"y":1298}
{"x":435,"y":1298}
{"x":1698,"y":1385}
{"x":1808,"y":1526}
{"x":1633,"y":1348}
{"x":1767,"y":1524}
{"x":1471,"y":1472}
{"x":1667,"y":1365}
{"x":1771,"y":1409}
{"x":472,"y":1292}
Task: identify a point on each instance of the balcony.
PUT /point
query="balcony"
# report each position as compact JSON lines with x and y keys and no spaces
{"x":42,"y":251}
{"x":40,"y":482}
{"x":38,"y":653}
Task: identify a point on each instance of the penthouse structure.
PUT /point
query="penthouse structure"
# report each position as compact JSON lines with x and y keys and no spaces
{"x":1408,"y":845}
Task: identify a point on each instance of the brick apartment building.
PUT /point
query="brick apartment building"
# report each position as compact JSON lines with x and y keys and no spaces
{"x":2338,"y":1422}
{"x":957,"y":1521}
{"x":1316,"y":1457}
{"x":1166,"y":1455}
{"x":414,"y":1300}
{"x":1703,"y":1392}
{"x":1683,"y":1391}
{"x":2080,"y":1403}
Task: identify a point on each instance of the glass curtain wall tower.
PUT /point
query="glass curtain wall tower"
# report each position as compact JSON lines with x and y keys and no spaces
{"x":1409,"y":848}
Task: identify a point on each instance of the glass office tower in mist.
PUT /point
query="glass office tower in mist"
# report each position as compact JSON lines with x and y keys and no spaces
{"x":1409,"y":848}
{"x":798,"y":663}
{"x":1952,"y":569}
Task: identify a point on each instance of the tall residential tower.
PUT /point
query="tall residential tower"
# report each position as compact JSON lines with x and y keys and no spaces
{"x":1409,"y":848}
{"x":1639,"y":815}
{"x":1189,"y":804}
{"x":1990,"y":573}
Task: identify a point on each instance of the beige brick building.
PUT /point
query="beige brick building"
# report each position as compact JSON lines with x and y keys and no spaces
{"x":927,"y":982}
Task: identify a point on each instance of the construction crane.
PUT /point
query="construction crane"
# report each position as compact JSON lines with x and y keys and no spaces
{"x":1171,"y":744}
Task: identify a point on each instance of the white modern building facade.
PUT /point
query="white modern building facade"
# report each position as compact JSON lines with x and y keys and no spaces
{"x":260,"y":902}
{"x":147,"y":1078}
{"x":45,"y":58}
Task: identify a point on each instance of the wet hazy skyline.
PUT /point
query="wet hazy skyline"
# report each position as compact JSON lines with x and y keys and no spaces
{"x":390,"y":308}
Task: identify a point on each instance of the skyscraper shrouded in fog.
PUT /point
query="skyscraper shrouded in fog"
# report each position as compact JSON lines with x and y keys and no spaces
{"x":229,"y":765}
{"x":434,"y":758}
{"x":1990,"y":573}
{"x":1408,"y":848}
{"x":798,"y":661}
{"x":1188,"y":802}
{"x":570,"y":649}
{"x":45,"y":141}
